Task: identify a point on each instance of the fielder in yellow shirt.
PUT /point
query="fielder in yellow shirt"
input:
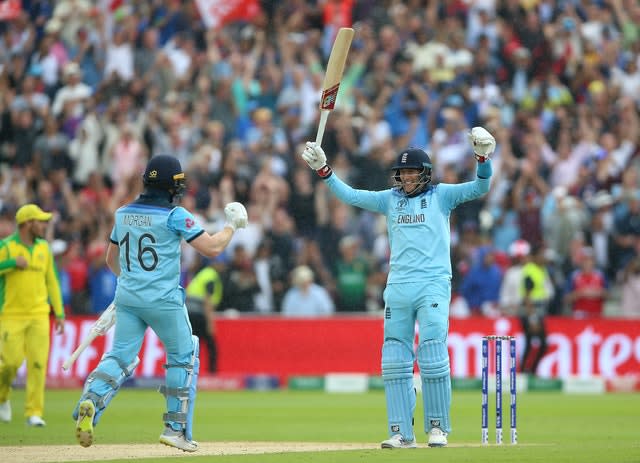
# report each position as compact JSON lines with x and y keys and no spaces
{"x":29,"y":286}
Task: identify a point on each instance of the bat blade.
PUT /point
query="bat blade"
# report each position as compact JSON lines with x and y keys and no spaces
{"x":333,"y":75}
{"x":100,"y":327}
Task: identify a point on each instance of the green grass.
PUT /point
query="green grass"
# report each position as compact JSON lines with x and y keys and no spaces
{"x":552,"y":427}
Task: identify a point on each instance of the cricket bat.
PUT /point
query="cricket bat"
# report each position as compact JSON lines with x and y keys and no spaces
{"x":100,"y":327}
{"x":332,"y":77}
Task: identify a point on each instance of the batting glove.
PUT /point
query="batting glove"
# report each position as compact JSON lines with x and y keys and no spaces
{"x":236,"y":215}
{"x":314,"y":155}
{"x":482,"y":143}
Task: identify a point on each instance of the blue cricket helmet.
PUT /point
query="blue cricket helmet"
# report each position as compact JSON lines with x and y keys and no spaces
{"x":413,"y":158}
{"x":164,"y":172}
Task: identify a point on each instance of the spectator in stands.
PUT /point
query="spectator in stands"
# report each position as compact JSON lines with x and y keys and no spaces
{"x":351,"y":272}
{"x":139,"y":58}
{"x":511,"y":286}
{"x":626,"y":234}
{"x":204,"y":294}
{"x":239,"y":282}
{"x":481,"y":284}
{"x":306,"y":298}
{"x":537,"y":290}
{"x":101,"y":282}
{"x":587,"y":288}
{"x":629,"y":306}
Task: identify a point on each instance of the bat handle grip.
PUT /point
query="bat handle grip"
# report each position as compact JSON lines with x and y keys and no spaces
{"x":67,"y":364}
{"x":324,"y":114}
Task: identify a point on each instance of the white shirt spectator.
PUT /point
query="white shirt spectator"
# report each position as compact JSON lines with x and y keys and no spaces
{"x":83,"y":149}
{"x":119,"y":58}
{"x":75,"y":91}
{"x":180,"y":60}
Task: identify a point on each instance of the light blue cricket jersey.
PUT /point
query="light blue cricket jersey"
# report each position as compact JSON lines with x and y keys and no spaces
{"x":148,"y":233}
{"x":418,"y":228}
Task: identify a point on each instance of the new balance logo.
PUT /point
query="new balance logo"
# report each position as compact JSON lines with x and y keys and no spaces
{"x":387,"y":313}
{"x":395,"y":428}
{"x":423,"y":203}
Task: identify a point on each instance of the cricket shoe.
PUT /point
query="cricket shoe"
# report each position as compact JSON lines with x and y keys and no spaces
{"x":5,"y":412}
{"x":177,"y":439}
{"x":437,"y":438}
{"x":398,"y":442}
{"x":84,"y":423}
{"x":36,"y":421}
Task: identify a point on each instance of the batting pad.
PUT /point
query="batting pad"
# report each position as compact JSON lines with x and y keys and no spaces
{"x":397,"y":374}
{"x":433,"y":360}
{"x":104,"y":382}
{"x":180,"y":389}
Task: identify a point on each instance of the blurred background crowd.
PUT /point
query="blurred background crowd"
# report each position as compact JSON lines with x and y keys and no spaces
{"x":90,"y":90}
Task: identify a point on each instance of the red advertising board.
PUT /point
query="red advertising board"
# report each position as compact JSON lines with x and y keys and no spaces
{"x":284,"y":347}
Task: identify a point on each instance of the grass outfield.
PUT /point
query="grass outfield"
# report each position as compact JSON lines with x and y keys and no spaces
{"x":551,"y":427}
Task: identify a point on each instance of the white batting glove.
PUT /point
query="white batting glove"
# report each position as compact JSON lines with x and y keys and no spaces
{"x":236,"y":215}
{"x":482,"y":143}
{"x":314,"y":156}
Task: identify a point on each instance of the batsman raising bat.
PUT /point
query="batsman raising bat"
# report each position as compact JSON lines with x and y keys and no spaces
{"x":419,"y":281}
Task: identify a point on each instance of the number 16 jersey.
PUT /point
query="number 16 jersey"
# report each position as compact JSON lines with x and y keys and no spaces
{"x":148,"y":233}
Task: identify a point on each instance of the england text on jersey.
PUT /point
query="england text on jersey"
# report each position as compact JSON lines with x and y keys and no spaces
{"x":408,"y":218}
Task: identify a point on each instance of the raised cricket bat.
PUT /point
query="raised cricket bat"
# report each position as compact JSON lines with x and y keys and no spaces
{"x":100,"y":327}
{"x":332,"y":77}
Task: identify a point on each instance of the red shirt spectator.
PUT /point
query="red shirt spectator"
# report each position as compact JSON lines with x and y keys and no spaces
{"x":587,"y":288}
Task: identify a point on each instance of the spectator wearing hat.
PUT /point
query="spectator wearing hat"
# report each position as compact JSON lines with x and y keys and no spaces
{"x":306,"y":298}
{"x":30,"y":283}
{"x":70,"y":100}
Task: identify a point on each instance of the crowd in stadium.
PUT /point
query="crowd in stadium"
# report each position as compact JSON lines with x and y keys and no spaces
{"x":89,"y":91}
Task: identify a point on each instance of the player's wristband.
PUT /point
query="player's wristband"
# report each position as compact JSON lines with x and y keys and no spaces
{"x":325,"y":171}
{"x":484,"y":169}
{"x":480,"y":158}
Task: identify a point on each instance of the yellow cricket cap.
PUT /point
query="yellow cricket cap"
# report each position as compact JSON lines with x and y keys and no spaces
{"x":31,"y":212}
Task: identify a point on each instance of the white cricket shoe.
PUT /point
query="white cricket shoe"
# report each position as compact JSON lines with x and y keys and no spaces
{"x":5,"y":412}
{"x":437,"y":437}
{"x":398,"y":442}
{"x":177,"y":440}
{"x":36,"y":421}
{"x":84,"y":423}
